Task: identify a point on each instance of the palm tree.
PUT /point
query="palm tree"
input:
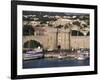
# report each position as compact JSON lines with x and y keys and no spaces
{"x":28,"y":30}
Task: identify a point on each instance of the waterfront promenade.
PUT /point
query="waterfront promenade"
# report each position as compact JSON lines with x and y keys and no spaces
{"x":61,"y":54}
{"x":66,"y":54}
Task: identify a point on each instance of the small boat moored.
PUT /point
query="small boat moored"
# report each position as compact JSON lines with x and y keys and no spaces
{"x":33,"y":54}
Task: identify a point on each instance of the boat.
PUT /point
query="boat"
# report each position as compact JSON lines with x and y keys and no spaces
{"x":35,"y":54}
{"x":60,"y":57}
{"x":34,"y":51}
{"x":80,"y":57}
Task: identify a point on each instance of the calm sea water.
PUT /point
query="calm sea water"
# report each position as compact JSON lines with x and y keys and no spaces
{"x":44,"y":63}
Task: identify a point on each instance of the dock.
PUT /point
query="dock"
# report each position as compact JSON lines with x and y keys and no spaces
{"x":66,"y":54}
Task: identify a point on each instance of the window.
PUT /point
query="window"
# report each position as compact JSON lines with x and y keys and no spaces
{"x":76,"y":33}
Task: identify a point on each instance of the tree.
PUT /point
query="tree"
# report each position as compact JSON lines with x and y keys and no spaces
{"x":32,"y":44}
{"x":28,"y":30}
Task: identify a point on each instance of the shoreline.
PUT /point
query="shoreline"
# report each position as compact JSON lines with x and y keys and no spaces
{"x":57,"y":55}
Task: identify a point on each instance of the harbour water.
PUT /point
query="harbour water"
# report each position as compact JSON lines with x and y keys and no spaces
{"x":45,"y":63}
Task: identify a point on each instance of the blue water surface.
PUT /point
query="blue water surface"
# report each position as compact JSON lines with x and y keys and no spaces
{"x":44,"y":63}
